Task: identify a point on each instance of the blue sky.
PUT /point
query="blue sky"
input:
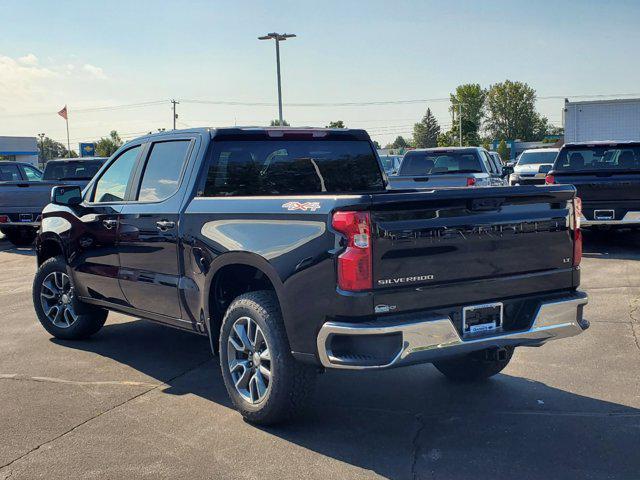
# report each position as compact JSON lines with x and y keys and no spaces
{"x":92,"y":54}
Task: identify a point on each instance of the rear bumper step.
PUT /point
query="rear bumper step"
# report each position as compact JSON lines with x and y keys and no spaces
{"x":630,"y":218}
{"x":435,"y":337}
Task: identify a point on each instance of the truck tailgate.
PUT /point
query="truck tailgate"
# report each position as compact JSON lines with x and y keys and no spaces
{"x":427,"y":241}
{"x":605,"y":186}
{"x":17,"y":197}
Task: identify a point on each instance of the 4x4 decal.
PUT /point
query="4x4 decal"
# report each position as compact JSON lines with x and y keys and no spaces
{"x":313,"y":206}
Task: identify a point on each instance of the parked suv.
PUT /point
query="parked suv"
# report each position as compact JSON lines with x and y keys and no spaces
{"x":533,"y":165}
{"x":287,"y":250}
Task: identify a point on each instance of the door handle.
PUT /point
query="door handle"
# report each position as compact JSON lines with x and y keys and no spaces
{"x":109,"y":224}
{"x":164,"y":225}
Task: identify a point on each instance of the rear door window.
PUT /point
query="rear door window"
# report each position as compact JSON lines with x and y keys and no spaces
{"x":162,"y":171}
{"x":33,"y":175}
{"x":301,"y":167}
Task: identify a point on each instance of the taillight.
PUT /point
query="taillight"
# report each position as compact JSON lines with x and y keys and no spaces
{"x":4,"y":219}
{"x":354,"y":264}
{"x":549,"y":179}
{"x":471,"y":181}
{"x":577,"y":233}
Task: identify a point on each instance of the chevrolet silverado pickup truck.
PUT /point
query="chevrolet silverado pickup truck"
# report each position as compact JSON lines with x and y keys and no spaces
{"x":448,"y":167}
{"x":22,"y":198}
{"x":286,"y":248}
{"x":607,"y":177}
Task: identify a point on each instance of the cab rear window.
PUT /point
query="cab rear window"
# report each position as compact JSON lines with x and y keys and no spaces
{"x":303,"y":167}
{"x":620,"y":157}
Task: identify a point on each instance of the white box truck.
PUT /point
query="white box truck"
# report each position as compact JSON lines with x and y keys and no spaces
{"x":617,"y":120}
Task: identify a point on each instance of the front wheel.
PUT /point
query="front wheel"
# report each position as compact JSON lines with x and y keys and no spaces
{"x":265,"y":383}
{"x":475,"y":366}
{"x":57,"y":307}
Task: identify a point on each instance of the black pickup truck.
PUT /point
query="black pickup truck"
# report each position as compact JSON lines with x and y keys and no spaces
{"x":285,"y":247}
{"x":607,"y":177}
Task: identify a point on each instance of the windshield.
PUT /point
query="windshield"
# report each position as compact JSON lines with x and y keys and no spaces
{"x":389,"y":163}
{"x":529,"y":158}
{"x":620,"y":157}
{"x":434,"y":163}
{"x":70,"y":170}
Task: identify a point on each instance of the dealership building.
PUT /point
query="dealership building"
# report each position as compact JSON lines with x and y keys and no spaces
{"x":21,"y":149}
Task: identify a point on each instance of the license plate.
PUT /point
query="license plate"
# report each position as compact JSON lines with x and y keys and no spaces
{"x":26,"y":217}
{"x":604,"y":214}
{"x":481,"y":318}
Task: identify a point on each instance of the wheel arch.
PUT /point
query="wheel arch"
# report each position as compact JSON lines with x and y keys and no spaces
{"x":236,"y":273}
{"x":49,"y":245}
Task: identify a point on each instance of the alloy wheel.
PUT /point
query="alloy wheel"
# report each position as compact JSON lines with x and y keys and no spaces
{"x":249,"y":360}
{"x":56,"y":296}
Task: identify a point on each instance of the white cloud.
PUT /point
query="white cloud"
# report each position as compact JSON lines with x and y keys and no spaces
{"x":30,"y":60}
{"x":97,"y":72}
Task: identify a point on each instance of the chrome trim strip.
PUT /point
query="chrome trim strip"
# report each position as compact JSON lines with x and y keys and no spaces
{"x":629,"y":218}
{"x":435,"y":337}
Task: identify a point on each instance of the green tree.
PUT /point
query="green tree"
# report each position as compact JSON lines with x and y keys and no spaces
{"x":512,"y":112}
{"x":503,"y":151}
{"x":400,"y":142}
{"x":336,"y":124}
{"x":446,"y":139}
{"x":50,"y":149}
{"x":425,"y":133}
{"x":472,"y":97}
{"x":106,"y":146}
{"x":376,"y":144}
{"x":276,"y":123}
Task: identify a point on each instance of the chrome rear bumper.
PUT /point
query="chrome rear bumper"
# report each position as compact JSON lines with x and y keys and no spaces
{"x":435,"y":337}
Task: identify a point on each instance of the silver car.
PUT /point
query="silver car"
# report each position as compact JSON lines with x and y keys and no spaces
{"x":448,"y":167}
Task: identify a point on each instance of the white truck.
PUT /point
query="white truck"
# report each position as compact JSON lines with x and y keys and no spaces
{"x":616,"y":120}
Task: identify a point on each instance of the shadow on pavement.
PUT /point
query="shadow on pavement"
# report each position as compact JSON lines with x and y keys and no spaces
{"x":411,"y":422}
{"x":623,"y":244}
{"x":9,"y":248}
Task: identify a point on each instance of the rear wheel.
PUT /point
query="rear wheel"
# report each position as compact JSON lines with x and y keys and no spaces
{"x":475,"y":366}
{"x":21,"y":237}
{"x":265,"y":383}
{"x":57,"y":307}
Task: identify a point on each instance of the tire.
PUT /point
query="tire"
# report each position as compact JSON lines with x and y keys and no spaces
{"x":289,"y":383}
{"x":53,"y":290}
{"x":21,"y":237}
{"x":474,"y":367}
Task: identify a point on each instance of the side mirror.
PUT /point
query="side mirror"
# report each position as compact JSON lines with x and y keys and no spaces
{"x":507,"y":170}
{"x":68,"y":195}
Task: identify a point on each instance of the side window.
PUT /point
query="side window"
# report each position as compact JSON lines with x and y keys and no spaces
{"x":9,"y":173}
{"x":112,"y":185}
{"x":32,"y":174}
{"x":162,"y":171}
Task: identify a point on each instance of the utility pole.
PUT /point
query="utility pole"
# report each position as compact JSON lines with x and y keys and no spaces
{"x":278,"y":37}
{"x":460,"y":121}
{"x":175,"y":115}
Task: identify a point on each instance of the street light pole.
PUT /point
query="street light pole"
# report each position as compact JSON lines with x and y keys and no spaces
{"x":278,"y":37}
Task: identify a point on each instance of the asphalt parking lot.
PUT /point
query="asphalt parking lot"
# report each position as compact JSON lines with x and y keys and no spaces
{"x":143,"y":400}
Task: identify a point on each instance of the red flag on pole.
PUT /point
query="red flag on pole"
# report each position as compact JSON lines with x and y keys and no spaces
{"x":63,"y":112}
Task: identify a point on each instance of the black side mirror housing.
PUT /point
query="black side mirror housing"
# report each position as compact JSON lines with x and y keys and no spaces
{"x":66,"y":195}
{"x":507,"y":170}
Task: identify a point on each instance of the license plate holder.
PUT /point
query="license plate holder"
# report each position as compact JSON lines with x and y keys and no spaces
{"x":26,"y":217}
{"x":479,"y":319}
{"x":604,"y":214}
